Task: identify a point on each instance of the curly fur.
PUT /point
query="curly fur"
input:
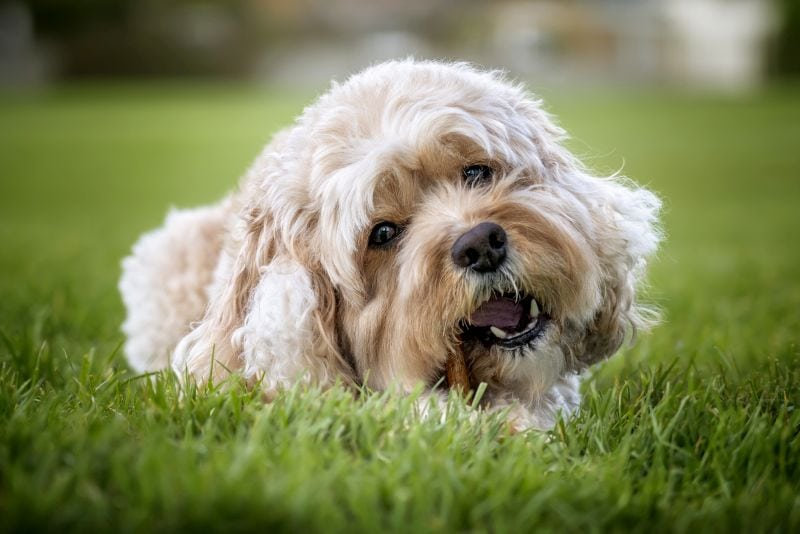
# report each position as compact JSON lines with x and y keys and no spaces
{"x":277,"y":281}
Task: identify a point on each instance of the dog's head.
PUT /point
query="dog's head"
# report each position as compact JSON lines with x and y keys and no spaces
{"x":420,"y":209}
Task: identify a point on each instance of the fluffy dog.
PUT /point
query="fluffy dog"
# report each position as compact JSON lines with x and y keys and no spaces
{"x":419,"y":211}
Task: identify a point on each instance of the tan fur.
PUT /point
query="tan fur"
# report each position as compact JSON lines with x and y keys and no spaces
{"x":297,"y":293}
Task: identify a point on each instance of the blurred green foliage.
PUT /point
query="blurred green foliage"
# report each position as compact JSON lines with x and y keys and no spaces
{"x":56,"y":18}
{"x":787,"y":46}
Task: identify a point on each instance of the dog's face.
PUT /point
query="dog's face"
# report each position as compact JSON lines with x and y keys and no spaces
{"x":448,"y":218}
{"x":427,"y":209}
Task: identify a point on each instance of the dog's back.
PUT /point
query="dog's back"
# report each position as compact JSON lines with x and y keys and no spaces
{"x":164,"y":283}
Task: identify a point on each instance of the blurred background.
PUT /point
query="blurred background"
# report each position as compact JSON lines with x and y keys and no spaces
{"x":728,"y":45}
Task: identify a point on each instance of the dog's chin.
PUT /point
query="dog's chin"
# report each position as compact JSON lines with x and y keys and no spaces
{"x":512,"y":325}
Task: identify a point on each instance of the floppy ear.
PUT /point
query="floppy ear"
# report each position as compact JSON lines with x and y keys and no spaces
{"x":627,"y":234}
{"x":210,"y":351}
{"x":623,"y":232}
{"x":288,"y":332}
{"x":272,"y":311}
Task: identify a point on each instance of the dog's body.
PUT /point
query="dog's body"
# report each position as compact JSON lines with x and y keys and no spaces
{"x":417,"y":211}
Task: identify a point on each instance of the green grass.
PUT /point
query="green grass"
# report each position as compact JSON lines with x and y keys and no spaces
{"x":695,"y":427}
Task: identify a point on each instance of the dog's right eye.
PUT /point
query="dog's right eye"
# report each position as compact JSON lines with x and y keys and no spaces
{"x":383,"y":233}
{"x":476,"y":174}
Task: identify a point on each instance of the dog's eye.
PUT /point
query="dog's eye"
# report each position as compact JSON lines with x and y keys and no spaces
{"x":383,"y":233}
{"x":476,"y":174}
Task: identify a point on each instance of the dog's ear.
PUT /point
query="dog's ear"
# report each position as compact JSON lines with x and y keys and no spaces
{"x":623,"y":232}
{"x":626,"y":235}
{"x":272,"y":311}
{"x":210,"y":350}
{"x":287,"y":332}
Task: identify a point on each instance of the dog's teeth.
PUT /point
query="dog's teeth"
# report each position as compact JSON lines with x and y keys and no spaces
{"x":498,"y":333}
{"x":534,"y":308}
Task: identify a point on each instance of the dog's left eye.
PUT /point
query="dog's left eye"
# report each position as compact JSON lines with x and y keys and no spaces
{"x":475,"y":174}
{"x":383,"y":233}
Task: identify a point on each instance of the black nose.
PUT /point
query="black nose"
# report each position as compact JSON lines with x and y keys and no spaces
{"x":482,"y":249}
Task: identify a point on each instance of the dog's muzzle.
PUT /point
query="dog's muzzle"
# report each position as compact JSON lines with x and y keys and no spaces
{"x":508,"y":321}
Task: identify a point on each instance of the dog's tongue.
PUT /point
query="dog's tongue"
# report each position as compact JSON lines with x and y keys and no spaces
{"x":497,"y":311}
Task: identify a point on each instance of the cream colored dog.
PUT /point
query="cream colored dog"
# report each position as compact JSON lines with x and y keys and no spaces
{"x":419,"y":211}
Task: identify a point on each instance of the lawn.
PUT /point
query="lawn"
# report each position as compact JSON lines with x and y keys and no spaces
{"x":694,"y":427}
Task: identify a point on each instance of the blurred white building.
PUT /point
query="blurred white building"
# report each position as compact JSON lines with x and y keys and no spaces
{"x":719,"y":44}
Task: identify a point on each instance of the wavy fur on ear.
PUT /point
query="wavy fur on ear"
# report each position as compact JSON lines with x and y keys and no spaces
{"x":626,"y":219}
{"x":271,"y":313}
{"x":210,"y":351}
{"x":624,"y":232}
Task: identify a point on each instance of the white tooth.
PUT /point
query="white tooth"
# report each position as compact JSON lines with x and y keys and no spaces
{"x":534,"y":308}
{"x":498,"y":333}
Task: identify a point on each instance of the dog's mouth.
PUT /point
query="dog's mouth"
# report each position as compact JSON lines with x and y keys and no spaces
{"x":506,"y":321}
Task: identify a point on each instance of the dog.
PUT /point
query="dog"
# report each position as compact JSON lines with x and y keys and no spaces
{"x":420,"y":211}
